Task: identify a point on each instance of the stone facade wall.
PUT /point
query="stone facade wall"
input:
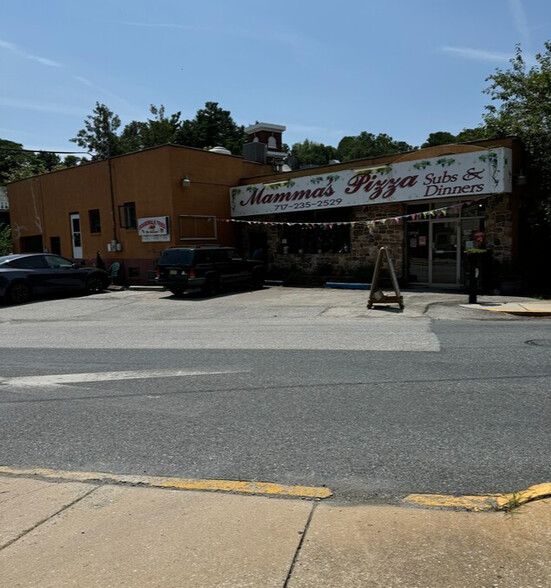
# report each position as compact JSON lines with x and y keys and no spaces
{"x":358,"y":261}
{"x":499,"y":228}
{"x":365,"y":242}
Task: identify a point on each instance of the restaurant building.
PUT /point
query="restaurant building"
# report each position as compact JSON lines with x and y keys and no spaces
{"x":426,"y":206}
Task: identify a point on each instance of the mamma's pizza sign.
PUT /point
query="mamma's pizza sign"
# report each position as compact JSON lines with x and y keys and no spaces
{"x":460,"y":175}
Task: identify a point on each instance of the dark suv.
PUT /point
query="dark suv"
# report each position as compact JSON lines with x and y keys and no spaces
{"x":208,"y":267}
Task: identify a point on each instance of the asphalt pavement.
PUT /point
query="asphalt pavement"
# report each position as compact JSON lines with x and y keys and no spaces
{"x":88,"y":529}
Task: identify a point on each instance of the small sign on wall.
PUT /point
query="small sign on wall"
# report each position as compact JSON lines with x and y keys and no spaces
{"x":153,"y":229}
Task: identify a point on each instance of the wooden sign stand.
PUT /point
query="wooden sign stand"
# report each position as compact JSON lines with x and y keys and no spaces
{"x":376,"y":296}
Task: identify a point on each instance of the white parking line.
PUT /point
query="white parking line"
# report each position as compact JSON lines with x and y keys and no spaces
{"x":59,"y":379}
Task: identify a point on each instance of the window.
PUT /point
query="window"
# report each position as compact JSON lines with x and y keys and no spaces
{"x":58,"y":262}
{"x":204,"y":256}
{"x":328,"y":238}
{"x":33,"y":262}
{"x":127,"y":215}
{"x":55,"y":245}
{"x":94,"y":218}
{"x":197,"y":227}
{"x":225,"y":255}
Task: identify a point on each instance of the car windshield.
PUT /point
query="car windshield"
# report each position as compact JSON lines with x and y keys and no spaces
{"x":177,"y":257}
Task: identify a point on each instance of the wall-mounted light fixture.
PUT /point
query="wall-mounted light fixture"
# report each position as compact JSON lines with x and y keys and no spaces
{"x":186,"y":182}
{"x":521,"y":179}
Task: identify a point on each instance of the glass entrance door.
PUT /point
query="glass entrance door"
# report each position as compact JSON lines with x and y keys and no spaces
{"x":445,"y":252}
{"x":418,"y":245}
{"x":434,"y":252}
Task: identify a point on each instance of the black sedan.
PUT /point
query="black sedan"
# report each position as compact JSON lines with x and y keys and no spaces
{"x":25,"y":275}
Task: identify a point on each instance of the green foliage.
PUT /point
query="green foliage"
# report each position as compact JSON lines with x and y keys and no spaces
{"x":312,"y":153}
{"x":439,"y":138}
{"x":18,"y":164}
{"x":369,"y":145}
{"x":474,"y":134}
{"x":523,"y":109}
{"x":159,"y":130}
{"x":99,"y":135}
{"x":211,"y":127}
{"x":466,"y":135}
{"x":12,"y":158}
{"x":5,"y":240}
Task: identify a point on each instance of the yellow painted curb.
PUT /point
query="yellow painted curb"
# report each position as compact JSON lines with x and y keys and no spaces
{"x":519,"y":312}
{"x":233,"y":486}
{"x":481,"y":502}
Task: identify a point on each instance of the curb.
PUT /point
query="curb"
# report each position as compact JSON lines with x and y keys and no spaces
{"x":348,"y":285}
{"x":229,"y":486}
{"x":478,"y":503}
{"x":544,"y":310}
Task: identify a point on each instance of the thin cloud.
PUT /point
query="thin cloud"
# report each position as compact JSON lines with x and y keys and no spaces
{"x":289,"y":39}
{"x":168,"y":25}
{"x":84,"y":81}
{"x":477,"y":54}
{"x":42,"y":60}
{"x":41,"y":106}
{"x":90,"y":84}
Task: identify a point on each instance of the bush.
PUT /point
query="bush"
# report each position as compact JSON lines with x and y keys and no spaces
{"x":5,"y":240}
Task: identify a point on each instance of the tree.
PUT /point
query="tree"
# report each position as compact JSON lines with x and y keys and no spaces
{"x":72,"y":160}
{"x":439,"y":138}
{"x":312,"y":153}
{"x":369,"y":145}
{"x":12,"y":158}
{"x":523,"y":97}
{"x":212,"y":126}
{"x":17,"y":163}
{"x":5,"y":240}
{"x":157,"y":131}
{"x":474,"y":134}
{"x":99,"y":135}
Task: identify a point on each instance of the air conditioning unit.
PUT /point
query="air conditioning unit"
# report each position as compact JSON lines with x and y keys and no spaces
{"x":255,"y":152}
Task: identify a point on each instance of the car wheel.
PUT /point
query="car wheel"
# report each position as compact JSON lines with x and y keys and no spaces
{"x":95,"y":285}
{"x":176,"y":291}
{"x":19,"y":293}
{"x":210,"y":287}
{"x":257,"y":281}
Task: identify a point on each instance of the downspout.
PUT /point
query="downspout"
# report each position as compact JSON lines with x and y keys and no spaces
{"x":112,"y":197}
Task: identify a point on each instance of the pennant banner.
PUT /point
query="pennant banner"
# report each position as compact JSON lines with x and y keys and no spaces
{"x":437,"y":212}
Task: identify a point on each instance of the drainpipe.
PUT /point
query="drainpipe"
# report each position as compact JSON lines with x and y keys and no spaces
{"x":112,"y":196}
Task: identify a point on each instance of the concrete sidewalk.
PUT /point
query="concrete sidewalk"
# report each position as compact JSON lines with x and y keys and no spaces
{"x":342,"y":302}
{"x":66,"y":533}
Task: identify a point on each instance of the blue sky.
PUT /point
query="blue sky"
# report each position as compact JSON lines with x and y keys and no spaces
{"x":323,"y":69}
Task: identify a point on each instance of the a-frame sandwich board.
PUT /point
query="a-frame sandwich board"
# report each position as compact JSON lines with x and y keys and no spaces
{"x":376,"y":295}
